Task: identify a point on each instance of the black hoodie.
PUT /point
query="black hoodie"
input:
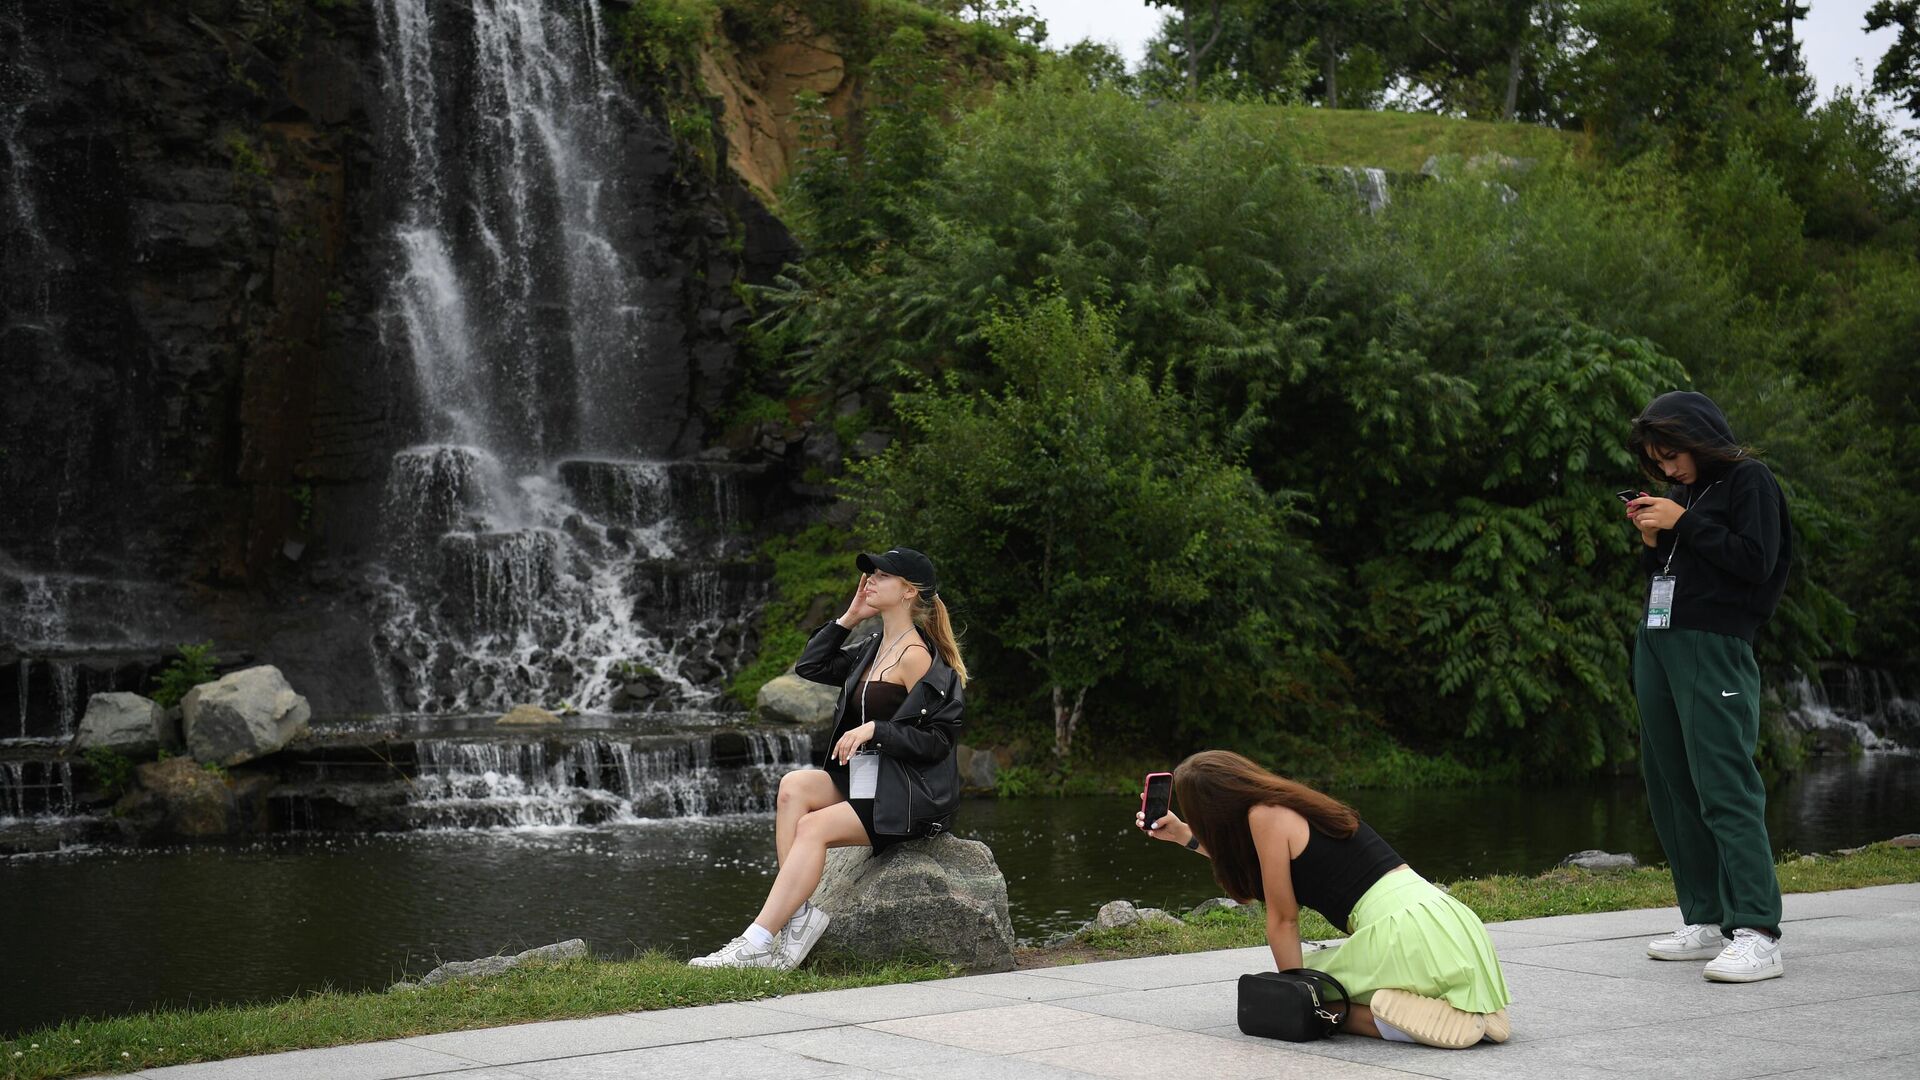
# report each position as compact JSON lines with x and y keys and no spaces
{"x":1735,"y":541}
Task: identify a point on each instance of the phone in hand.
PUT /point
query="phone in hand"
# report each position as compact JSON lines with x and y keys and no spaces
{"x":1627,"y":495}
{"x":1155,"y":795}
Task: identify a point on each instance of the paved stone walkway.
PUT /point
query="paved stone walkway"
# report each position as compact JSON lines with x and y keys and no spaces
{"x":1587,"y":1004}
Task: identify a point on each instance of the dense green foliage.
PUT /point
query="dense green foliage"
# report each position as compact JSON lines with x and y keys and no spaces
{"x":1413,"y":416}
{"x":1092,"y":533}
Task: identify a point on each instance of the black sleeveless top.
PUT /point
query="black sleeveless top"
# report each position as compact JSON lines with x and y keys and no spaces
{"x":883,"y":700}
{"x":1330,"y":875}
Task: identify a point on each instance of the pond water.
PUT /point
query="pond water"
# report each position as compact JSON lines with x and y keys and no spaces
{"x":109,"y":931}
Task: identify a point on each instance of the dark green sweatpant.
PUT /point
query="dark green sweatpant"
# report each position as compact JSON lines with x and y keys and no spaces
{"x":1699,"y":699}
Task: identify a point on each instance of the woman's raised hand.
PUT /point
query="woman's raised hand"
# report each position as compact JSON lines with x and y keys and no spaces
{"x":1169,"y":827}
{"x":858,"y":608}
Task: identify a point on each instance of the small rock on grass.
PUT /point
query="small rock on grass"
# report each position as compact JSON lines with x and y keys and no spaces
{"x":1595,"y":859}
{"x":1218,"y":903}
{"x":1118,"y":913}
{"x":573,"y":949}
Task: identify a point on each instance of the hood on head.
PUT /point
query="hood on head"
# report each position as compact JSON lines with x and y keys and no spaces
{"x":1696,"y":415}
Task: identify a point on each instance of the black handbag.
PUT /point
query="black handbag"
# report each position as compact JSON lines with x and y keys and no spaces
{"x":1291,"y":1005}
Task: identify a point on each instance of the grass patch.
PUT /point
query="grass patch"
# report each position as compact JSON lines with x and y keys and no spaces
{"x":657,"y":981}
{"x":1580,"y":892}
{"x":1494,"y":899}
{"x":1402,"y":142}
{"x":536,"y":992}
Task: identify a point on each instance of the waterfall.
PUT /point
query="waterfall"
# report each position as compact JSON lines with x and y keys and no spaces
{"x":35,"y":789}
{"x":462,"y":784}
{"x":1871,"y":713}
{"x":529,"y":532}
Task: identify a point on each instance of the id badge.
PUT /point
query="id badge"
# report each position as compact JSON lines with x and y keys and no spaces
{"x":1660,"y":603}
{"x":863,"y":775}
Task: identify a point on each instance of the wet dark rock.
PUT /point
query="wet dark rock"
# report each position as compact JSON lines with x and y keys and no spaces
{"x":180,"y":799}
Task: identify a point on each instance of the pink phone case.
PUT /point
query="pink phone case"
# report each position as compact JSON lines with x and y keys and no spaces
{"x":1143,"y":792}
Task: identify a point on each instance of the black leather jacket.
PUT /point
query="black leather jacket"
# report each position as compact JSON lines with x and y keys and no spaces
{"x":919,"y":786}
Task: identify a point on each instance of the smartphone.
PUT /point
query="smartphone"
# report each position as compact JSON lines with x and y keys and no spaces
{"x":1154,"y":797}
{"x":1626,"y":496}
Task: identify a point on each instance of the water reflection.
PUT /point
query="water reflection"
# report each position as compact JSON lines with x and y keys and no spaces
{"x":111,"y":931}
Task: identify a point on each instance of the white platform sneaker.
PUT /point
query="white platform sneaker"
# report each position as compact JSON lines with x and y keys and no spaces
{"x":801,"y":933}
{"x":741,"y":953}
{"x":1694,"y":941}
{"x":1750,"y":957}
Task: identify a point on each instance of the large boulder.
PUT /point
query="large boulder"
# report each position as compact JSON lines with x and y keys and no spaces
{"x":941,"y":899}
{"x":790,"y":699}
{"x":179,"y":799}
{"x":126,"y":724}
{"x":242,"y":716}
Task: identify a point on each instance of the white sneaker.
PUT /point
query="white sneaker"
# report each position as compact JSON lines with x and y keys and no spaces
{"x":800,"y":934}
{"x":1750,"y":957}
{"x":1694,"y":941}
{"x":741,"y":953}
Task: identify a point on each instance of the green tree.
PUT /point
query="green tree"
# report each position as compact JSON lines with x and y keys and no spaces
{"x":1897,"y":75}
{"x":1085,"y":527}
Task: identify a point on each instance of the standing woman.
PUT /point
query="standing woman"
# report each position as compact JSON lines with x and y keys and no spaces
{"x":891,"y":775}
{"x":1717,"y":549}
{"x":1418,"y":963}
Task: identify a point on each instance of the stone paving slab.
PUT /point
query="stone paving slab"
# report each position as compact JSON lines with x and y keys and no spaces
{"x":1588,"y":1005}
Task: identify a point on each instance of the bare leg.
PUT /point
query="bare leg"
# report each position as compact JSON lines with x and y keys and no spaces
{"x":832,"y":826}
{"x":1359,"y":1021}
{"x":802,"y":791}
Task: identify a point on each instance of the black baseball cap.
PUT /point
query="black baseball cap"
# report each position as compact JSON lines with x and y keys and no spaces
{"x":903,"y":562}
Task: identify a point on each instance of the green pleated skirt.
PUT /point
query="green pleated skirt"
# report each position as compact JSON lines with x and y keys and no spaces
{"x":1409,"y":935}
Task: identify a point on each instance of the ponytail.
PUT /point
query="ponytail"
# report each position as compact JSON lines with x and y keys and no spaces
{"x":931,"y":615}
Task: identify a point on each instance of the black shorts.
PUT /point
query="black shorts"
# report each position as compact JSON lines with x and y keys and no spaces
{"x":863,"y":809}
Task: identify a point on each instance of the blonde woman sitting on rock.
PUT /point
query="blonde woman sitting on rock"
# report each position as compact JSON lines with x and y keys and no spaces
{"x":891,"y":775}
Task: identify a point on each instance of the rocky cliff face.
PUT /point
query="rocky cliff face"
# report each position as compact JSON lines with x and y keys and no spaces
{"x":201,"y":396}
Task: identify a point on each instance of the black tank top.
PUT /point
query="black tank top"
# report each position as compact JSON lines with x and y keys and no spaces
{"x":1330,"y":875}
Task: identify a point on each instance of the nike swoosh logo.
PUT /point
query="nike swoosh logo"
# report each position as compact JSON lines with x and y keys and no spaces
{"x":1729,"y":693}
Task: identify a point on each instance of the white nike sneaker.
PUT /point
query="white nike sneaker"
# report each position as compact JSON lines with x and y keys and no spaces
{"x":1750,"y":957}
{"x":1694,"y":941}
{"x":800,"y":934}
{"x":741,"y":953}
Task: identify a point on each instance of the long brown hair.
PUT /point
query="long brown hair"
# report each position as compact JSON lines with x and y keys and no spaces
{"x":930,"y":614}
{"x":1216,"y":788}
{"x":1673,"y":434}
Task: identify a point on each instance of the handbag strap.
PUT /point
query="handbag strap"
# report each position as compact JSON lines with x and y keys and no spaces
{"x":1324,"y":980}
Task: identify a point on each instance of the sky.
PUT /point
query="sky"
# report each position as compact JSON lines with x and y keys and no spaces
{"x":1833,"y":37}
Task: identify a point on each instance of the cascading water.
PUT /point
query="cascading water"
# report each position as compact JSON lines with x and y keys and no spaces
{"x":1868,"y":710}
{"x":528,"y":532}
{"x":594,"y":781}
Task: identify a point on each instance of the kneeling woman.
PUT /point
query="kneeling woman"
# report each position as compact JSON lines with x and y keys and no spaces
{"x":890,"y":775}
{"x":1418,"y":962}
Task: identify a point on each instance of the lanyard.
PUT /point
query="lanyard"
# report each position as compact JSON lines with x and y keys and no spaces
{"x":1676,"y":533}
